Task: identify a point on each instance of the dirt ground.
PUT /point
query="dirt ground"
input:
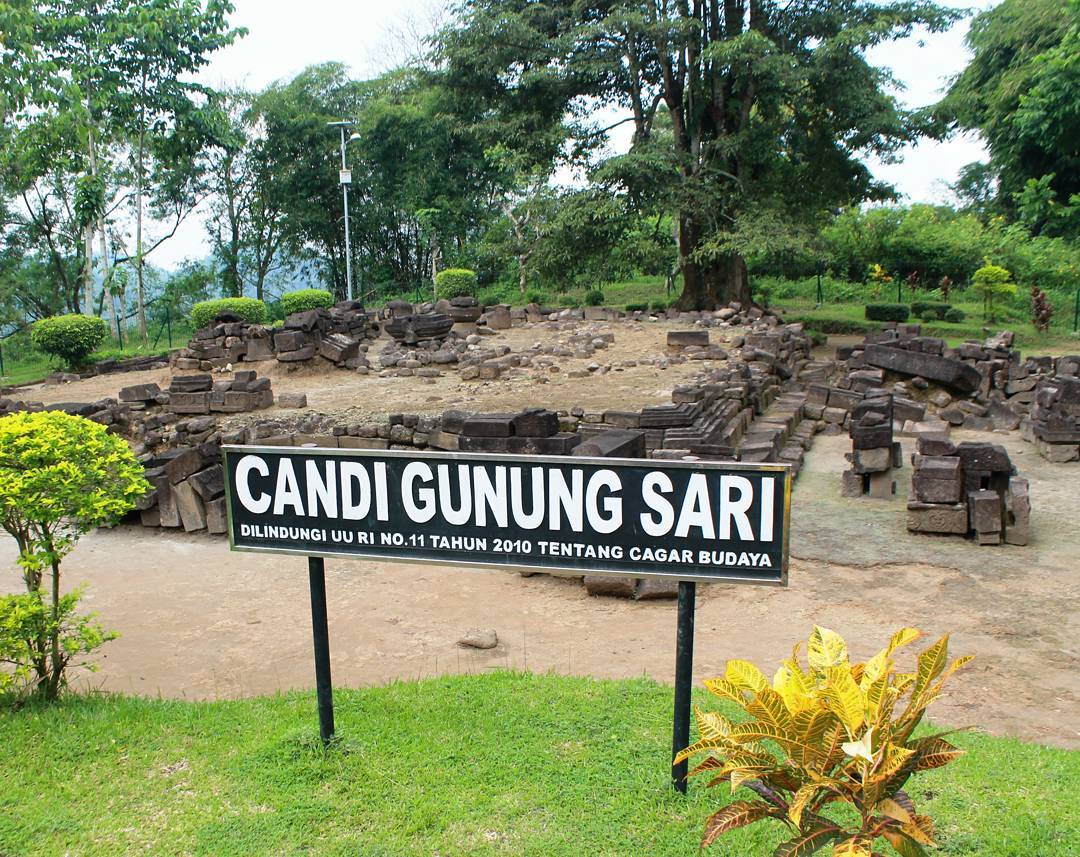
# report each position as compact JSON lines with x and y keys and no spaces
{"x":624,"y":386}
{"x":199,"y":622}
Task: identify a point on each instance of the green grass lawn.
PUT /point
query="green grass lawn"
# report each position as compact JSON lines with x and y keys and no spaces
{"x":23,"y":364}
{"x":499,"y":763}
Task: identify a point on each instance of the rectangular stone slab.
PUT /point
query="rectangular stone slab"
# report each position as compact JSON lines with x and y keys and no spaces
{"x":139,"y":393}
{"x":536,"y":422}
{"x":191,"y":507}
{"x":683,"y":338}
{"x":489,"y":425}
{"x":952,"y":373}
{"x":929,"y":518}
{"x":617,"y":443}
{"x":984,"y":511}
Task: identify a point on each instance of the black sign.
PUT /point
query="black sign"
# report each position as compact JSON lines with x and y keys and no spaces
{"x":638,"y":517}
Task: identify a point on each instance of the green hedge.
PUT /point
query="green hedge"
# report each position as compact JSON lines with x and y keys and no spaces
{"x":305,"y":299}
{"x":249,"y":309}
{"x":637,"y":307}
{"x":934,"y":309}
{"x":888,"y":312}
{"x":594,"y":297}
{"x":72,"y":338}
{"x":658,"y":306}
{"x":455,"y":283}
{"x":954,"y":316}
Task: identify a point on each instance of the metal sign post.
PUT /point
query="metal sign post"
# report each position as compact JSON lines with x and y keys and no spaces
{"x":684,"y":673}
{"x":688,"y":521}
{"x":320,"y":633}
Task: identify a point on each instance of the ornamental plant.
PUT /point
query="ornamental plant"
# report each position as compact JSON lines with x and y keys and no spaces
{"x":1042,"y":311}
{"x":990,"y":282}
{"x":250,"y":310}
{"x":60,"y":477}
{"x":828,"y":750}
{"x":305,"y":299}
{"x":455,"y":283}
{"x":72,"y":338}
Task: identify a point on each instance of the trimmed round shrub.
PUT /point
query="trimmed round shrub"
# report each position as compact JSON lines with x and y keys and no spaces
{"x":535,"y":296}
{"x":455,"y":283}
{"x":637,"y":307}
{"x":594,"y":297}
{"x":887,"y":312}
{"x":249,"y":309}
{"x":934,"y":309}
{"x":72,"y":338}
{"x":305,"y":299}
{"x":954,"y":316}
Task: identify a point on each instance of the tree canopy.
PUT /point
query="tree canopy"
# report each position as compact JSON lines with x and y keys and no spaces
{"x":738,"y":106}
{"x":1021,"y":91}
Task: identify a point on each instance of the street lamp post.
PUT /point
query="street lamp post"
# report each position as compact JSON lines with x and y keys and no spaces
{"x":345,"y":177}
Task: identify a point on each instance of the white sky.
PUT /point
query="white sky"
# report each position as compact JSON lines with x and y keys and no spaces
{"x":284,"y":37}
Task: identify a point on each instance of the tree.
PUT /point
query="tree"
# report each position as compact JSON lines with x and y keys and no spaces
{"x":989,"y":282}
{"x":760,"y":101}
{"x":60,"y":477}
{"x":246,"y":224}
{"x":164,"y":117}
{"x":1020,"y":92}
{"x":301,"y":156}
{"x":110,"y":75}
{"x":420,"y":184}
{"x":525,"y":201}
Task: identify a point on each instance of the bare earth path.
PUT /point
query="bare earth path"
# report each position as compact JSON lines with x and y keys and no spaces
{"x":199,"y":622}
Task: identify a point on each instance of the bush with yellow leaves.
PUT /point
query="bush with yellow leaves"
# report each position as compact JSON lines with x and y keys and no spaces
{"x":837,"y":733}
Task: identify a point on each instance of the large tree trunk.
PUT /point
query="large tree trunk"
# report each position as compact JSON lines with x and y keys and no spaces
{"x":111,"y":313}
{"x":713,"y":284}
{"x":523,"y":274}
{"x":88,"y":238}
{"x":88,"y":269}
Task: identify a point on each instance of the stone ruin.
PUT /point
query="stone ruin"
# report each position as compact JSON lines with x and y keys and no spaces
{"x":337,"y":334}
{"x":986,"y":386}
{"x":874,"y":453}
{"x":1054,"y":423}
{"x":693,"y":344}
{"x":148,"y":416}
{"x":203,"y":394}
{"x":969,"y":490}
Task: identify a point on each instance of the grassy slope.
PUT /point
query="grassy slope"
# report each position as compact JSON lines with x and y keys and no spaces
{"x":500,"y":763}
{"x":25,"y":365}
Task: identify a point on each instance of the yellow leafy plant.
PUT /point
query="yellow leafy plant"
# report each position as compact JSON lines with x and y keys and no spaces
{"x":834,"y":733}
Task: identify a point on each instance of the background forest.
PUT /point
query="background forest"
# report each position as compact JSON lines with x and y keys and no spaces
{"x":489,"y":149}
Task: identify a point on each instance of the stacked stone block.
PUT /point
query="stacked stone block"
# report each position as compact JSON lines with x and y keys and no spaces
{"x":693,"y":345}
{"x":985,"y":386}
{"x":188,"y":490}
{"x":203,"y":394}
{"x":337,"y":334}
{"x":874,"y":453}
{"x":968,"y":490}
{"x":1054,"y":426}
